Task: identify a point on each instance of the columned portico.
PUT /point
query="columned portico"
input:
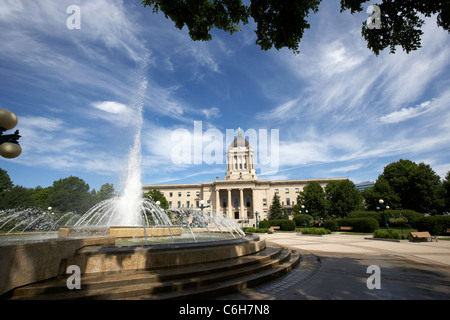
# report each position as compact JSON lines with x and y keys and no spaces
{"x":240,"y":195}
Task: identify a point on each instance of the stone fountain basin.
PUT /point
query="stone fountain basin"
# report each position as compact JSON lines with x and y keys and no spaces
{"x":118,"y":231}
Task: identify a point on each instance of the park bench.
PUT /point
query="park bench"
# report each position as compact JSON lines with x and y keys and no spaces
{"x":346,"y":228}
{"x":418,"y":236}
{"x":273,"y":228}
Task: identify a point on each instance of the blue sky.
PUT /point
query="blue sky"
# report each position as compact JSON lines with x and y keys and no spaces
{"x":340,"y":111}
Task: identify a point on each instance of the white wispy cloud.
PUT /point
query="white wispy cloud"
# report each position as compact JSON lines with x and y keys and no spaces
{"x":406,"y":113}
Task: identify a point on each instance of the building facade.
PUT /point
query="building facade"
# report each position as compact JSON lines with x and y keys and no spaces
{"x":240,"y":196}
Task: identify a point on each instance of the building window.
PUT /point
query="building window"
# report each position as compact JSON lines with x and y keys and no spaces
{"x":208,"y":201}
{"x":286,"y":190}
{"x":162,"y":193}
{"x":188,"y":204}
{"x":225,"y":202}
{"x":197,"y":193}
{"x":179,"y":194}
{"x":236,"y":202}
{"x":248,"y":202}
{"x":197,"y":203}
{"x":296,"y":190}
{"x":264,"y":202}
{"x":170,"y":194}
{"x":179,"y":204}
{"x":170,"y":204}
{"x":276,"y":191}
{"x":188,"y":193}
{"x":288,"y":201}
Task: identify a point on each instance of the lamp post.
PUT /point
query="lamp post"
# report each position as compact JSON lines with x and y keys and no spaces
{"x":383,"y":207}
{"x":9,"y":144}
{"x":257,"y":222}
{"x":304,"y":211}
{"x":202,"y":205}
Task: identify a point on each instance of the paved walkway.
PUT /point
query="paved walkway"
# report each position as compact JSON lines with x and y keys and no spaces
{"x":335,"y":267}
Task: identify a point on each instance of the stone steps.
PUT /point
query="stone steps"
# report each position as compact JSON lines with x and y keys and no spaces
{"x":175,"y":282}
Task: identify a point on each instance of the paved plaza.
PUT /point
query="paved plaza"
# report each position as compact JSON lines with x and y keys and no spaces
{"x":336,"y":267}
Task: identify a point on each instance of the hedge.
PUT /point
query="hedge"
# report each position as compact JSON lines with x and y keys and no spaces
{"x":393,"y":215}
{"x":319,"y":231}
{"x":331,"y":225}
{"x":435,"y":225}
{"x":358,"y":224}
{"x":300,"y":220}
{"x":388,"y":234}
{"x":284,"y":224}
{"x":256,"y":230}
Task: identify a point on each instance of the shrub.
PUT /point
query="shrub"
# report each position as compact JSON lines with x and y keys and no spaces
{"x":300,"y":221}
{"x":284,"y":224}
{"x":331,"y":225}
{"x":318,"y":231}
{"x":385,"y":234}
{"x":411,"y":215}
{"x":359,"y":224}
{"x":435,"y":225}
{"x":256,"y":230}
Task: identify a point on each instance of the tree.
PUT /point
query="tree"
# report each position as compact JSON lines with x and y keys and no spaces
{"x":381,"y":190}
{"x":5,"y":181}
{"x":282,"y":24}
{"x":70,"y":194}
{"x":156,"y":195}
{"x":17,"y":197}
{"x":446,"y":185}
{"x":106,"y":192}
{"x":343,"y":197}
{"x":416,"y":186}
{"x":313,"y":198}
{"x":276,"y":211}
{"x":42,"y":196}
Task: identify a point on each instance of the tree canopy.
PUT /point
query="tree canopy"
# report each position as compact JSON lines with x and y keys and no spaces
{"x":313,"y":198}
{"x":281,"y":24}
{"x":343,"y":197}
{"x":156,"y":195}
{"x":71,"y":194}
{"x":407,"y":185}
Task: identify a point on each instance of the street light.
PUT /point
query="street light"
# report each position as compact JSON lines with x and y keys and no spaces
{"x":383,"y":206}
{"x":9,"y":144}
{"x":304,"y":211}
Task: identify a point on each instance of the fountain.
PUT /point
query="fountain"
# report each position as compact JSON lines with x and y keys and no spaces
{"x":130,"y":215}
{"x":129,"y":247}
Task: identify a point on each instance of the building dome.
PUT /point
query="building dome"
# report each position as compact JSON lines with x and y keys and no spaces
{"x":240,"y":141}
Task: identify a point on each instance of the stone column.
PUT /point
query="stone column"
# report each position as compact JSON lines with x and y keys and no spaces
{"x":217,"y":211}
{"x":241,"y":203}
{"x":229,"y":203}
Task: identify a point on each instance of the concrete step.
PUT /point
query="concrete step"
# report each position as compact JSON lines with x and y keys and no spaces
{"x":229,"y":286}
{"x":168,"y":283}
{"x":104,"y":280}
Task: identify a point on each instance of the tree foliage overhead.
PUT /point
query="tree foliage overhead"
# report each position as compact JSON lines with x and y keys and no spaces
{"x":282,"y":23}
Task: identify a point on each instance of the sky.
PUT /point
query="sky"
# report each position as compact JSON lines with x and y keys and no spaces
{"x":333,"y":110}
